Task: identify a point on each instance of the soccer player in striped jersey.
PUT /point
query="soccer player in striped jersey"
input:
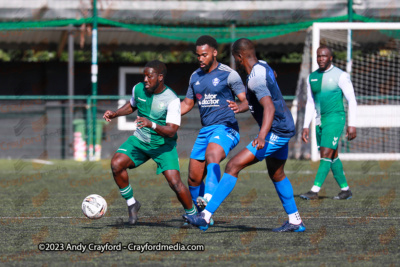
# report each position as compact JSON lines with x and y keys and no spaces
{"x":276,"y":128}
{"x":325,"y":89}
{"x":159,"y":117}
{"x":213,"y":87}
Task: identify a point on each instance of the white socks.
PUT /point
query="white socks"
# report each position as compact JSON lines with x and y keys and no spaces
{"x":207,"y":196}
{"x":315,"y":189}
{"x":294,"y":218}
{"x":206,"y":215}
{"x":131,"y":201}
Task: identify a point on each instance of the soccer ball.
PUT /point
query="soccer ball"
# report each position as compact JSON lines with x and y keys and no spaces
{"x":94,"y":206}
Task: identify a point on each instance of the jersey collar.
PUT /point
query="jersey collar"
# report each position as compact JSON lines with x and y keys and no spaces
{"x":331,"y":67}
{"x":219,"y":64}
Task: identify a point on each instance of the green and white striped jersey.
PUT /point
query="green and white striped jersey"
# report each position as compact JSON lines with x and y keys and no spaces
{"x":328,"y":96}
{"x":325,"y":91}
{"x":161,"y":108}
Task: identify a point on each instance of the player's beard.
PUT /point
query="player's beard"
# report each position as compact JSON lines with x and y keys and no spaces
{"x":151,"y":90}
{"x":207,"y":67}
{"x":324,"y":66}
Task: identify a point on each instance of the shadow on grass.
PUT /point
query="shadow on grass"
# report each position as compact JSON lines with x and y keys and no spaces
{"x":179,"y":224}
{"x":174,"y":223}
{"x":319,"y":197}
{"x":236,"y":229}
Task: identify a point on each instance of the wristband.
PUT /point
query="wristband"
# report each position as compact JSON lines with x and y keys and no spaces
{"x":153,"y":125}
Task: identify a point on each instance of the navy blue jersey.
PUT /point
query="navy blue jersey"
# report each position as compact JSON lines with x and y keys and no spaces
{"x":261,"y":82}
{"x":211,"y":90}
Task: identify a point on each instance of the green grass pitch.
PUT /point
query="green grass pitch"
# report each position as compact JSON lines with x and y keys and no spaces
{"x":42,"y":203}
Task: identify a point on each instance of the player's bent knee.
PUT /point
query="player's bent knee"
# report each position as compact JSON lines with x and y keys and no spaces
{"x":117,"y":166}
{"x":233,"y":168}
{"x":214,"y":157}
{"x":176,"y":186}
{"x":277,"y":177}
{"x":327,"y":152}
{"x":194,"y":181}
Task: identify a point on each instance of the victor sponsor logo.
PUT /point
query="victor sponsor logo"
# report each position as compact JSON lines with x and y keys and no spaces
{"x":210,"y":100}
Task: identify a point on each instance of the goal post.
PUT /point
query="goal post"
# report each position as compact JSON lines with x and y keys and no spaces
{"x":375,"y":74}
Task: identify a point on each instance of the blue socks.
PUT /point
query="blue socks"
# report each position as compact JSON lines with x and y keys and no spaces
{"x":285,"y":192}
{"x":283,"y":188}
{"x":213,"y":177}
{"x":222,"y":191}
{"x":196,"y":191}
{"x":212,"y":180}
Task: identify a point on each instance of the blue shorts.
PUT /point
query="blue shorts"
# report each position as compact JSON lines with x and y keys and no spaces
{"x":224,"y":136}
{"x":275,"y":147}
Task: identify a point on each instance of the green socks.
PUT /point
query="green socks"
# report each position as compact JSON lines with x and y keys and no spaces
{"x":325,"y":165}
{"x":191,"y":211}
{"x":323,"y":170}
{"x":338,"y":173}
{"x":126,"y":192}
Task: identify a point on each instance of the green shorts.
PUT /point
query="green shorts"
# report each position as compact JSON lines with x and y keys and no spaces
{"x":166,"y":156}
{"x":329,"y":132}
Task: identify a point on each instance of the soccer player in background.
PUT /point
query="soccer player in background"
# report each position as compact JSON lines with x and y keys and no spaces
{"x":325,"y":89}
{"x":276,"y":128}
{"x":158,"y":120}
{"x":213,"y":86}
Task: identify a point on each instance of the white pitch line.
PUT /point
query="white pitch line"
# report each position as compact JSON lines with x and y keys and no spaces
{"x":314,"y":172}
{"x":394,"y":173}
{"x":224,"y":217}
{"x":40,"y":161}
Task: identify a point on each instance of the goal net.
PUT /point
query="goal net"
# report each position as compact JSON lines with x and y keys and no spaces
{"x":374,"y":67}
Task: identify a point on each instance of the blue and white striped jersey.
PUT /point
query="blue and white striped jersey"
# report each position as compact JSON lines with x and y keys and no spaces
{"x":211,"y":90}
{"x":260,"y":83}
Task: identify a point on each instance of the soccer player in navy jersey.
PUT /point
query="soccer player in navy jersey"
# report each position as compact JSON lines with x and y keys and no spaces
{"x":213,"y":87}
{"x":276,"y":128}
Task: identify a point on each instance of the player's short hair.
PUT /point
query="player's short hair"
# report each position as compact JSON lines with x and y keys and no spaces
{"x":243,"y":44}
{"x":326,"y":47}
{"x":157,"y":66}
{"x":207,"y":40}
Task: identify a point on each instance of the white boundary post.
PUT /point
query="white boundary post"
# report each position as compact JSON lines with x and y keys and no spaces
{"x":122,"y":124}
{"x":315,"y":44}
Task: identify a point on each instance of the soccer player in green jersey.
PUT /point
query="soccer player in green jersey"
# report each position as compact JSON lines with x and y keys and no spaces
{"x":325,"y":89}
{"x":158,"y":120}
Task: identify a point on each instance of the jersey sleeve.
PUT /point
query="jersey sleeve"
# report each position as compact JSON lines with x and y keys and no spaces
{"x":133,"y":101}
{"x":310,"y":106}
{"x":190,"y":91}
{"x":235,"y":83}
{"x":348,"y":91}
{"x":258,"y":82}
{"x":174,"y":112}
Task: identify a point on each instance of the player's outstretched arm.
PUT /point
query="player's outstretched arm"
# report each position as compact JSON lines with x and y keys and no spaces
{"x":123,"y":111}
{"x":268,"y":117}
{"x":236,"y":85}
{"x":186,"y":105}
{"x":243,"y":106}
{"x":169,"y":130}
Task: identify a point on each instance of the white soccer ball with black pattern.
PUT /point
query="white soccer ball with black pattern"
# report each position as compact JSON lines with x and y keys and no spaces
{"x":94,"y":206}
